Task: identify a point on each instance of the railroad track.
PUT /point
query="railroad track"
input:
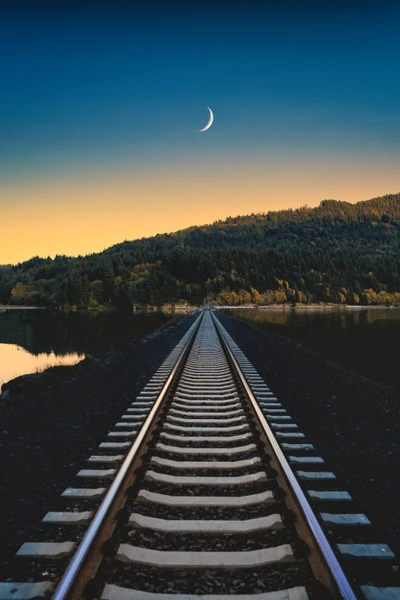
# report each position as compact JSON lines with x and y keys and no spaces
{"x":205,"y":490}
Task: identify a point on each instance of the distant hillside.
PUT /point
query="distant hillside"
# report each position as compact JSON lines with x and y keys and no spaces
{"x":336,"y":252}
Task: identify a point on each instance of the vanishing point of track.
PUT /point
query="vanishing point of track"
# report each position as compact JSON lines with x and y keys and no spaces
{"x":215,"y":495}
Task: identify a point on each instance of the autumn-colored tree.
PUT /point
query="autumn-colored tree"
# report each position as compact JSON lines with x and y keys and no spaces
{"x":18,"y":293}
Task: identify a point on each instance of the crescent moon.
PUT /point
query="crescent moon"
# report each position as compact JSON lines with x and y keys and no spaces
{"x":210,"y":122}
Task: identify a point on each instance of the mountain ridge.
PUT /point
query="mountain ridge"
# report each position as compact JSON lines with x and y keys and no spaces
{"x":334,"y":252}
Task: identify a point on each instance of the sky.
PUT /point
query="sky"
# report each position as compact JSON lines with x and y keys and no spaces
{"x":101,"y":104}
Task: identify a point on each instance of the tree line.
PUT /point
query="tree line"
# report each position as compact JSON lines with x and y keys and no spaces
{"x":337,"y":252}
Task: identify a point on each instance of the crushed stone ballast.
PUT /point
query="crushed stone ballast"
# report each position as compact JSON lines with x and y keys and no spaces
{"x":205,"y":489}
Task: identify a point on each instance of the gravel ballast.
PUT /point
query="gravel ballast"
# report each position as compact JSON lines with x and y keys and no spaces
{"x":353,"y":422}
{"x":47,"y":432}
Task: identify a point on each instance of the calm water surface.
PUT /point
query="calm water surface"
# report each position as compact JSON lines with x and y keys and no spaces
{"x":366,"y":341}
{"x":32,"y":340}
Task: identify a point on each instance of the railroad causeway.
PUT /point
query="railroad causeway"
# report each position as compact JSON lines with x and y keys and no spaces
{"x":205,"y":488}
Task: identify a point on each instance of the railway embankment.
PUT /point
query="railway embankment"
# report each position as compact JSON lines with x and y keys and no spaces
{"x":354,"y":422}
{"x":47,"y":435}
{"x":50,"y":425}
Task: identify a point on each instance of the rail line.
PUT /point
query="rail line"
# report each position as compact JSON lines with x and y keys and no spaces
{"x":214,"y":495}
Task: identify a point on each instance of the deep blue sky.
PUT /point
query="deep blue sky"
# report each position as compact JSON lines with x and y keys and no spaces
{"x":118,"y":89}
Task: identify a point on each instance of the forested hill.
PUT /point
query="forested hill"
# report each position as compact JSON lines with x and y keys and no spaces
{"x":336,"y":252}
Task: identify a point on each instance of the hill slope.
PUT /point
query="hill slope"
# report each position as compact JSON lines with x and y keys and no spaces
{"x":336,"y":252}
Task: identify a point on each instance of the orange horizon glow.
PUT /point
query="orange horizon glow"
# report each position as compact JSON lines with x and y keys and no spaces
{"x":88,"y":214}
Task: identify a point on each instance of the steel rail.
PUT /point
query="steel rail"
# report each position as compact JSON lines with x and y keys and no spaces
{"x":337,"y":573}
{"x":72,"y":572}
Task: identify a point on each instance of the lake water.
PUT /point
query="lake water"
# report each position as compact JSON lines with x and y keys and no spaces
{"x":366,"y":341}
{"x":32,"y":340}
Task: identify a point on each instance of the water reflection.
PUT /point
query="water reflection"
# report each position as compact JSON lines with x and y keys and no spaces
{"x":366,"y":341}
{"x":31,"y":340}
{"x":15,"y":361}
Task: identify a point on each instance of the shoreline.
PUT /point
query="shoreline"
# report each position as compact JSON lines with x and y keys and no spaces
{"x":21,"y":307}
{"x":316,"y":307}
{"x":189,"y":309}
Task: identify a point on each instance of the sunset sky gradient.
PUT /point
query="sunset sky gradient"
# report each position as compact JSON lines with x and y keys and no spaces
{"x":100,"y":110}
